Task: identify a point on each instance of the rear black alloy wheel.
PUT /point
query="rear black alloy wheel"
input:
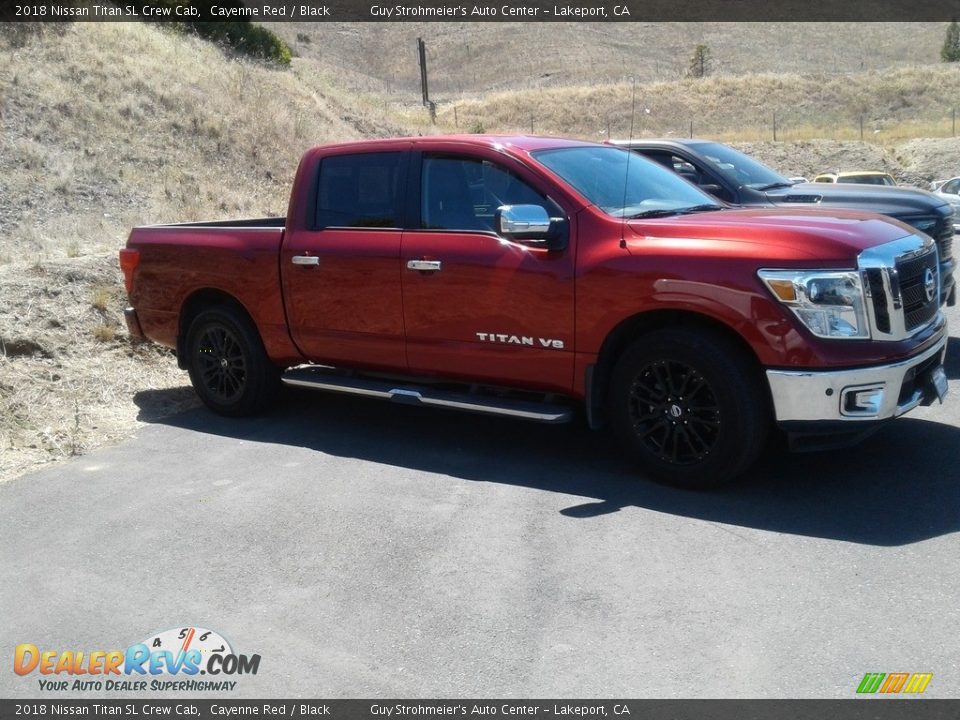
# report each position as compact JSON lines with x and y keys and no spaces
{"x":687,"y":405}
{"x":674,"y":412}
{"x":228,"y":365}
{"x":221,"y":363}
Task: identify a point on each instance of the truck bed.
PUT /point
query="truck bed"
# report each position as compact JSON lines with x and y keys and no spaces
{"x":238,"y":259}
{"x":267,"y":222}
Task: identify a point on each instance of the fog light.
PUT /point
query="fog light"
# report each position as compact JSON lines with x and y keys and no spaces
{"x":862,"y":401}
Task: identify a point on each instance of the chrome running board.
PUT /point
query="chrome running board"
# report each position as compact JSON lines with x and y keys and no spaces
{"x":319,"y":378}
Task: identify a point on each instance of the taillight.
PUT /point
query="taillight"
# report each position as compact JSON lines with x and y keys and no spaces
{"x":129,"y":259}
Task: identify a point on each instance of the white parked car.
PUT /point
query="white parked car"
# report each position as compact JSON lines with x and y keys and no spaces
{"x":949,"y":190}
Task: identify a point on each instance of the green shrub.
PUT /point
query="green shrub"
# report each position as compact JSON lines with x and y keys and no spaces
{"x":257,"y":41}
{"x":240,"y":34}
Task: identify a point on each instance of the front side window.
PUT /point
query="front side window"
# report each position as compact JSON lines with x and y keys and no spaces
{"x":464,"y":193}
{"x":360,"y":191}
{"x":622,"y":183}
{"x":738,"y":168}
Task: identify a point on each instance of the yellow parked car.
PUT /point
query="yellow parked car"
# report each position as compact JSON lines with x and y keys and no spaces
{"x":861,"y":177}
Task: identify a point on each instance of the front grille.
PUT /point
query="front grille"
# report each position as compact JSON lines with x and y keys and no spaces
{"x":943,"y":234}
{"x":896,"y":278}
{"x":913,"y":276}
{"x":879,"y":297}
{"x":945,"y":244}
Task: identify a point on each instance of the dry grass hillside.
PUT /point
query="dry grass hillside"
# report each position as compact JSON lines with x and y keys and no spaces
{"x":114,"y":125}
{"x":471,"y":59}
{"x":107,"y":126}
{"x":894,"y":104}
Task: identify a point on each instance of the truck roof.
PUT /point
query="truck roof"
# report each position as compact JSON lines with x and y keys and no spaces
{"x":524,"y":143}
{"x":639,"y":142}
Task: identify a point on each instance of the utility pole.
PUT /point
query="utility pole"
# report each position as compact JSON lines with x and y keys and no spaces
{"x":424,"y":88}
{"x":422,"y":59}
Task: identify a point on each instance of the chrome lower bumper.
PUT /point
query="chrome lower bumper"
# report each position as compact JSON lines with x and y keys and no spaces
{"x":872,"y":393}
{"x":133,"y":324}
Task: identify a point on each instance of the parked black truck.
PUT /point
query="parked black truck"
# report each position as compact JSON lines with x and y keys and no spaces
{"x":739,"y":179}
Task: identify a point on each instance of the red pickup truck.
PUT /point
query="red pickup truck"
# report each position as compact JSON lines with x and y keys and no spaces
{"x":525,"y":276}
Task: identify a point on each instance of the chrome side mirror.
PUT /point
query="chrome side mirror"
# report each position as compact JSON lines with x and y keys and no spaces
{"x":523,"y":222}
{"x":531,"y":225}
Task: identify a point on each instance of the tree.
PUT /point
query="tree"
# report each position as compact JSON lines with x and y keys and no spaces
{"x":951,"y":45}
{"x":700,"y":62}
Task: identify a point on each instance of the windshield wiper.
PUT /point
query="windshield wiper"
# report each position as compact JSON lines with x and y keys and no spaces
{"x":667,"y":212}
{"x":659,"y":212}
{"x":771,"y":186}
{"x":706,"y":207}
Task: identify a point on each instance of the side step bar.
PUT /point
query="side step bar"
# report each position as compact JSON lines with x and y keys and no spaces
{"x":323,"y":379}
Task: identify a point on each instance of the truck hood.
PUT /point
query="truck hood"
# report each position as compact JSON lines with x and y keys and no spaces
{"x":896,"y":201}
{"x":812,"y":236}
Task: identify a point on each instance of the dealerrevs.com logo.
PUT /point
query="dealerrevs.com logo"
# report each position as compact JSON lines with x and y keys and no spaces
{"x":168,"y":661}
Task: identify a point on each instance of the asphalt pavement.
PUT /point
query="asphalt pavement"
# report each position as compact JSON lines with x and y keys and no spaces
{"x":364,"y":549}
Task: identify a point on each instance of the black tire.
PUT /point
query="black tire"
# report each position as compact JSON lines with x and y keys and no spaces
{"x":228,"y":366}
{"x":687,"y":405}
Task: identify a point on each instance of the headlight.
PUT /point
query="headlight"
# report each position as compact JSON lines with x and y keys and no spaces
{"x":829,"y":302}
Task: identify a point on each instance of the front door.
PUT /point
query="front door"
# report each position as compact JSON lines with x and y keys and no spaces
{"x":476,"y":305}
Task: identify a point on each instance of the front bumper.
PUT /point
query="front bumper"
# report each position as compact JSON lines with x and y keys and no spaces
{"x":850,"y":398}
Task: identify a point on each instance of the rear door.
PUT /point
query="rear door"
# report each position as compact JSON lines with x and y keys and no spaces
{"x":476,"y":305}
{"x":341,"y":270}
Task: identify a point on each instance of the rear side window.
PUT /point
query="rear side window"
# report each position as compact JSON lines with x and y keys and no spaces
{"x":361,"y":191}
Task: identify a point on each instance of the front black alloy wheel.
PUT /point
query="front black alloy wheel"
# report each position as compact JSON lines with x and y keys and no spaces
{"x":674,"y":412}
{"x":687,"y":405}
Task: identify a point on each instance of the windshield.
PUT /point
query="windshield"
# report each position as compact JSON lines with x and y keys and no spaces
{"x":600,"y":174}
{"x":738,"y":168}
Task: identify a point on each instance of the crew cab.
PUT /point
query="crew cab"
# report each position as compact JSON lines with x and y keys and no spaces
{"x":526,"y":277}
{"x":739,"y":179}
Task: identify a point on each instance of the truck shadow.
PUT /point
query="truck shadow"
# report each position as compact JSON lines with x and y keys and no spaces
{"x":897,"y":487}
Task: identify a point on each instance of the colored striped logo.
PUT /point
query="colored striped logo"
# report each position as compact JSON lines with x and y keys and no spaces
{"x":891,"y":683}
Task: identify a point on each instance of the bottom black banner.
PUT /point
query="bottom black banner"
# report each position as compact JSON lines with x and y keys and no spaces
{"x":860,"y":709}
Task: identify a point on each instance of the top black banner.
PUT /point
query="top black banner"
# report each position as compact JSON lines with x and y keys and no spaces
{"x":479,"y":11}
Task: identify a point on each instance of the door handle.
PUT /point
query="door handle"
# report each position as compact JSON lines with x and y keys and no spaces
{"x":308,"y":260}
{"x":429,"y":265}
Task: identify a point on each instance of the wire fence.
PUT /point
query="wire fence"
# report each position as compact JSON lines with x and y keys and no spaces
{"x":778,"y":126}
